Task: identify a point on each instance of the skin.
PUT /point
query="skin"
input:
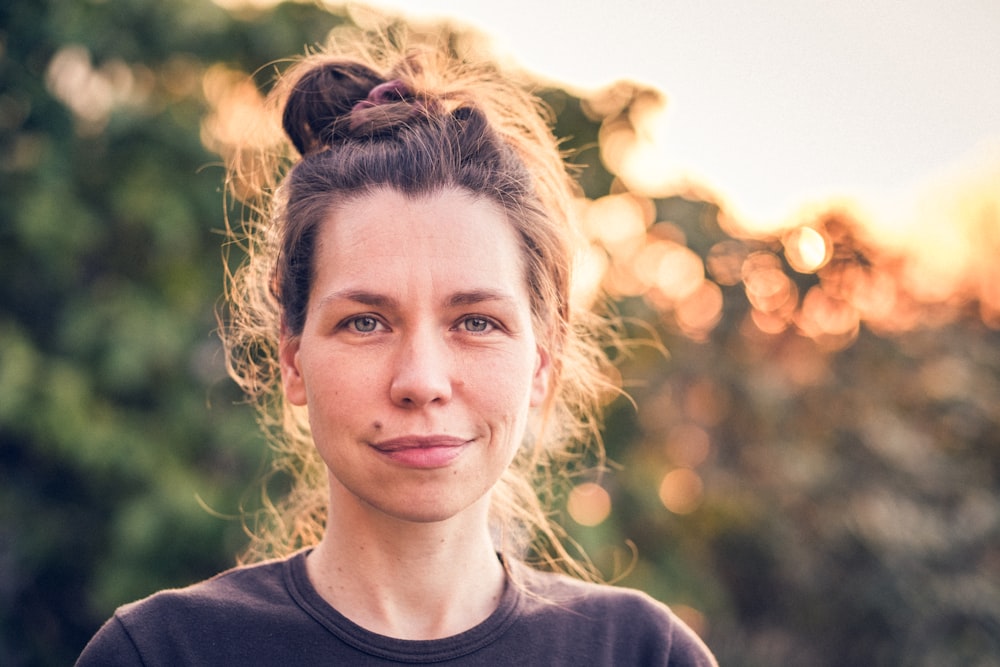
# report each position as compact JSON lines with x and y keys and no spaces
{"x":419,"y":367}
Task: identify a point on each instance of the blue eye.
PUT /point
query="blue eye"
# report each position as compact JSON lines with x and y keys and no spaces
{"x":363,"y":324}
{"x":476,"y":324}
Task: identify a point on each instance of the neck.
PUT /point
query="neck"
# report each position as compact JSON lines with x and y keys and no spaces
{"x":409,"y":580}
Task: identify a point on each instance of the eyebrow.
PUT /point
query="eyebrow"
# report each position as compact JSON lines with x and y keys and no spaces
{"x":473,"y":297}
{"x":376,"y":300}
{"x":360,"y":296}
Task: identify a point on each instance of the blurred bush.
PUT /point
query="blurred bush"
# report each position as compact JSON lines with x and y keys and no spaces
{"x":810,"y":474}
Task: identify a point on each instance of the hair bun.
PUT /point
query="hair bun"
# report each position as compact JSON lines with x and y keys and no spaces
{"x":319,"y":105}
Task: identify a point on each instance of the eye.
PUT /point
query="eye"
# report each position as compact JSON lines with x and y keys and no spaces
{"x":476,"y":324}
{"x":362,"y":324}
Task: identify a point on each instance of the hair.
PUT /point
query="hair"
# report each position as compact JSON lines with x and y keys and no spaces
{"x":365,"y":115}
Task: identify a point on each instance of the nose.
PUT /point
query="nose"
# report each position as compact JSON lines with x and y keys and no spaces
{"x":422,"y":373}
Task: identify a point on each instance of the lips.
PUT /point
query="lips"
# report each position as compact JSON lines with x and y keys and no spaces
{"x":425,"y":452}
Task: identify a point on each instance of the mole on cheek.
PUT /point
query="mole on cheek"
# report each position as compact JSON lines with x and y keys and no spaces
{"x":377,"y":426}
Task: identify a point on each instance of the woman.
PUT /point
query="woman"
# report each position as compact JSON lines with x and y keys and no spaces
{"x":405,"y":316}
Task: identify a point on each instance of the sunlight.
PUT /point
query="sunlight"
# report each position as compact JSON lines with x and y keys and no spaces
{"x":953,"y":240}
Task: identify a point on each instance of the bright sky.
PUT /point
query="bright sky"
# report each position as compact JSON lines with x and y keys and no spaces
{"x":778,"y":104}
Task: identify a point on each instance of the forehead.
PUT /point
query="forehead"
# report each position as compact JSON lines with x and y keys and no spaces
{"x":442,"y":238}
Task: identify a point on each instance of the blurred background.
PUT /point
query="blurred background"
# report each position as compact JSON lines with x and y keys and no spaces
{"x":810,"y":471}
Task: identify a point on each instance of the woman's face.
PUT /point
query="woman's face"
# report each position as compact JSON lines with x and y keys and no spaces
{"x":417,"y":361}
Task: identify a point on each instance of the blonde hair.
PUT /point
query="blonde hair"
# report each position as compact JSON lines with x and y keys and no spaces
{"x":370,"y":112}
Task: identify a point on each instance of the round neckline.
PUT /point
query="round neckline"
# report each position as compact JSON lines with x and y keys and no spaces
{"x":390,"y":648}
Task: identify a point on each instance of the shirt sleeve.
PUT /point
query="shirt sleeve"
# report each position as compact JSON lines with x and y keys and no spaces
{"x":111,"y":647}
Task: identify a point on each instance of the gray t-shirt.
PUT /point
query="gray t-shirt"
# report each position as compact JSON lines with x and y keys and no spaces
{"x":270,"y":614}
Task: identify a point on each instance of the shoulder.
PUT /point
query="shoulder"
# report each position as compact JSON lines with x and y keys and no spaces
{"x":559,"y":591}
{"x":242,"y":587}
{"x":209,"y":613}
{"x":631,"y":623}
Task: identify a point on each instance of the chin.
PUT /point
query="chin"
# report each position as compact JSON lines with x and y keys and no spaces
{"x":430,"y":510}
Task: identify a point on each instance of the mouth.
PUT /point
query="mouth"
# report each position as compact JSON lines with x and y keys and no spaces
{"x":425,"y":452}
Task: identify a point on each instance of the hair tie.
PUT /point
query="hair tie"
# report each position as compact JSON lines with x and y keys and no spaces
{"x":390,"y":92}
{"x":384,"y":93}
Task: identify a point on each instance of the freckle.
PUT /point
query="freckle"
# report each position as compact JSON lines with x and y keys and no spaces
{"x":378,"y":426}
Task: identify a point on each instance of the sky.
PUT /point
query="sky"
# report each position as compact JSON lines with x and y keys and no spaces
{"x":775,"y":106}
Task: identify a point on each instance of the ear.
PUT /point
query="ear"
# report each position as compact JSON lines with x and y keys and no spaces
{"x":542,"y":378}
{"x":291,"y":370}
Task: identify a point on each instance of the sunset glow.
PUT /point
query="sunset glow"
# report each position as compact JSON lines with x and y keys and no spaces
{"x":938,"y":249}
{"x":778,"y":124}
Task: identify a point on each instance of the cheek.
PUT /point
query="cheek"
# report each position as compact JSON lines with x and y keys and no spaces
{"x":335,"y":388}
{"x":504,"y":389}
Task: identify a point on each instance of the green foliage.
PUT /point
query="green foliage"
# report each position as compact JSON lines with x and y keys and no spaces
{"x":849,"y":514}
{"x":117,"y":425}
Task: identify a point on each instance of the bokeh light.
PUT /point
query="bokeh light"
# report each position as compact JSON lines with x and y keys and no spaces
{"x":681,"y":491}
{"x":237,"y":121}
{"x":768,"y":287}
{"x":92,"y":93}
{"x":725,"y":261}
{"x":679,"y":273}
{"x":806,"y":249}
{"x":617,"y":221}
{"x":699,"y":312}
{"x":892,"y":281}
{"x":688,"y":446}
{"x":589,"y":504}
